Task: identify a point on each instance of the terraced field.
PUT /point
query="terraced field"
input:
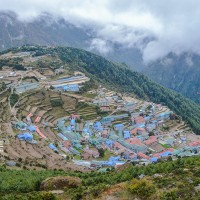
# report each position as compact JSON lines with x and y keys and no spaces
{"x":88,"y":112}
{"x":39,"y":104}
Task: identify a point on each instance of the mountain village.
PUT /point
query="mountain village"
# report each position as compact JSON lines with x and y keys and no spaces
{"x":98,"y":130}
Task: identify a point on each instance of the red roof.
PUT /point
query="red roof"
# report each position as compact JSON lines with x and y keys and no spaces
{"x":151,"y":140}
{"x":139,"y":119}
{"x":157,"y":155}
{"x":104,"y":107}
{"x":105,"y":132}
{"x":67,"y":144}
{"x":75,"y":116}
{"x":193,"y":144}
{"x":37,"y":119}
{"x":141,"y":155}
{"x":134,"y":141}
{"x":170,"y":149}
{"x":30,"y":115}
{"x":118,"y":145}
{"x":136,"y":130}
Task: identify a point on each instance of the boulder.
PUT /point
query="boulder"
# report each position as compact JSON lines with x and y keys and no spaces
{"x":60,"y":182}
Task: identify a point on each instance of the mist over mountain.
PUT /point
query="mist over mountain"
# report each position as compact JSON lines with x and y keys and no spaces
{"x":179,"y":72}
{"x":44,"y":30}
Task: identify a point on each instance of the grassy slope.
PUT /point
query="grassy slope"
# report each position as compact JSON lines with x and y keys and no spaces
{"x":176,"y":178}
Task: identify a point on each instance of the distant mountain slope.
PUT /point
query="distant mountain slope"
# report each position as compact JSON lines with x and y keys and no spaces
{"x":124,"y":80}
{"x":180,"y":73}
{"x":44,"y":30}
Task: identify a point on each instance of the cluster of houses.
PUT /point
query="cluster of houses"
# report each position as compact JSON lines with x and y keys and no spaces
{"x":131,"y":131}
{"x":137,"y":138}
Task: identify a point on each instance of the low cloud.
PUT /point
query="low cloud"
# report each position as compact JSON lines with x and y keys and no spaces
{"x":101,"y":46}
{"x":155,"y":27}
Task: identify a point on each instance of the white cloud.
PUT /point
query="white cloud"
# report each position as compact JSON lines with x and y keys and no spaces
{"x":101,"y":46}
{"x":174,"y":24}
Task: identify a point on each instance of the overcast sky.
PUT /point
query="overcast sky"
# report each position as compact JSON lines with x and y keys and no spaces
{"x":174,"y":24}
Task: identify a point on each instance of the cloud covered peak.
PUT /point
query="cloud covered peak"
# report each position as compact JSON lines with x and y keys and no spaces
{"x":155,"y":27}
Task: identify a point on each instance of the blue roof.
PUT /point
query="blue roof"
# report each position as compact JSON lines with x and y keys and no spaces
{"x":109,"y":142}
{"x":72,"y":87}
{"x":21,"y":125}
{"x":114,"y":158}
{"x":119,"y":125}
{"x":72,"y":122}
{"x":52,"y":147}
{"x":108,"y":163}
{"x":164,"y":114}
{"x":67,"y":87}
{"x":98,"y":126}
{"x":31,"y":128}
{"x":72,"y":78}
{"x":69,"y":128}
{"x":74,"y":151}
{"x":167,"y":153}
{"x":25,"y":136}
{"x":85,"y":129}
{"x":107,"y":120}
{"x":154,"y":159}
{"x":62,"y":136}
{"x":183,"y":138}
{"x":127,"y":134}
{"x":151,"y":125}
{"x":113,"y":161}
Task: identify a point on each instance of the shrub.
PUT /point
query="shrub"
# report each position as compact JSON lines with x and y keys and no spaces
{"x":56,"y":102}
{"x":143,"y":189}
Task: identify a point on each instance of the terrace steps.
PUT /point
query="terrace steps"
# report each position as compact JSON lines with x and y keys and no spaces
{"x":49,"y":118}
{"x":28,"y":108}
{"x":33,"y":109}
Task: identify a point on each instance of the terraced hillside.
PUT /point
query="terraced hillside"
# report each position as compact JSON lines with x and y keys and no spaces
{"x":115,"y":76}
{"x":88,"y":112}
{"x":38,"y":103}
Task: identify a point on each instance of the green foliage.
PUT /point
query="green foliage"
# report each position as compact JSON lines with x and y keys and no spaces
{"x":89,"y":85}
{"x":2,"y":86}
{"x":172,"y":175}
{"x":15,"y":63}
{"x":13,"y":99}
{"x":171,"y":195}
{"x":101,"y":152}
{"x":142,"y":188}
{"x":30,"y":196}
{"x":56,"y":102}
